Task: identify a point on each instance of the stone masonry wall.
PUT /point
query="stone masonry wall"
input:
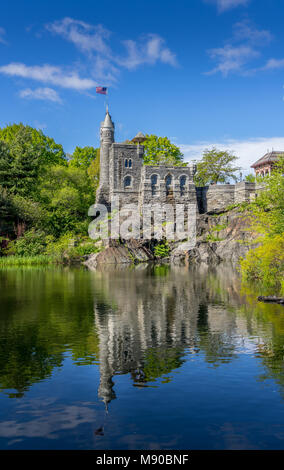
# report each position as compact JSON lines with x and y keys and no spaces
{"x":159,"y":193}
{"x":121,"y":155}
{"x":218,"y":197}
{"x":243,"y":192}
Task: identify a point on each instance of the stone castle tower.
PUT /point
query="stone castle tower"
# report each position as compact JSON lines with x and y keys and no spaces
{"x":106,"y":140}
{"x":123,"y":175}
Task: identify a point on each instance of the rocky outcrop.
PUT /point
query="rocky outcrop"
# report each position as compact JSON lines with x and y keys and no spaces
{"x":224,"y":237}
{"x":220,"y":237}
{"x":128,"y":252}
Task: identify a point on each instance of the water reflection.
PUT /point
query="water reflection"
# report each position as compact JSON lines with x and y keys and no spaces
{"x":153,"y":327}
{"x":142,"y":321}
{"x":157,"y":316}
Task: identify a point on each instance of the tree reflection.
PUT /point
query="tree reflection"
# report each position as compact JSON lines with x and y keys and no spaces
{"x":144,"y":322}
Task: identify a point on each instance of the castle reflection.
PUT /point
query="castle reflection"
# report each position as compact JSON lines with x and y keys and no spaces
{"x":144,"y":321}
{"x":155,"y":315}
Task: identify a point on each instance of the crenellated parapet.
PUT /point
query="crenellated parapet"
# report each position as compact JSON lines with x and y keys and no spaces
{"x":123,"y":175}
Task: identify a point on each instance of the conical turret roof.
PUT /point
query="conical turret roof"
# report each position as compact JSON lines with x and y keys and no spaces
{"x":108,"y":122}
{"x":139,"y":137}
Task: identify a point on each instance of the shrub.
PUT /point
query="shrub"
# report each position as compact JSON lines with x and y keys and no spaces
{"x":212,"y":238}
{"x":32,"y":243}
{"x":162,"y":250}
{"x":266,"y":263}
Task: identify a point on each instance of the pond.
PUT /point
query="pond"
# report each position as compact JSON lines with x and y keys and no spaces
{"x":149,"y":357}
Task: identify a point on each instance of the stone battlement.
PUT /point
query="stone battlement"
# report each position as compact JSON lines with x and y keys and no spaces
{"x":123,"y":174}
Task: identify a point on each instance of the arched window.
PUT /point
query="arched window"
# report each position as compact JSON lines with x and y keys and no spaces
{"x":130,"y":163}
{"x":127,"y":181}
{"x":182,"y":182}
{"x":126,"y":163}
{"x":154,"y":182}
{"x":169,"y":180}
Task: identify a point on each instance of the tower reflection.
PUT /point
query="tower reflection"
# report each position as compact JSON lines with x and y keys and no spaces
{"x":151,"y":317}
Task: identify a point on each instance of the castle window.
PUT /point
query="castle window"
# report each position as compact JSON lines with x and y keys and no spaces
{"x":154,"y":182}
{"x":169,"y":180}
{"x":126,"y":163}
{"x":130,"y":163}
{"x":127,"y":181}
{"x":182,"y":182}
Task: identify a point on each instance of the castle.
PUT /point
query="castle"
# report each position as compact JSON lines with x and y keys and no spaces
{"x":123,"y":174}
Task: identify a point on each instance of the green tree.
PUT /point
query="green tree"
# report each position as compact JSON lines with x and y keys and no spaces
{"x":268,"y":208}
{"x":83,"y":156}
{"x":66,"y":194}
{"x":7,"y":214}
{"x":94,"y":171}
{"x":160,"y":150}
{"x":51,"y":153}
{"x":250,"y":178}
{"x":20,"y":163}
{"x":216,"y":166}
{"x":266,"y":262}
{"x":5,"y":165}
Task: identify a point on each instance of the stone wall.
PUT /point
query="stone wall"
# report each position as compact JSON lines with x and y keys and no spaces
{"x":125,"y":162}
{"x":174,"y":193}
{"x":219,"y":196}
{"x":244,"y":191}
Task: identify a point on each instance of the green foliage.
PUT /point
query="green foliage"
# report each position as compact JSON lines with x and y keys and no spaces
{"x":94,"y":171}
{"x":60,"y":248}
{"x":219,"y":227}
{"x":20,"y":164}
{"x":213,"y":238}
{"x":71,"y":246}
{"x":39,"y":260}
{"x":266,"y":262}
{"x":162,"y":250}
{"x":44,"y":201}
{"x":160,"y":150}
{"x":7,"y":213}
{"x":215,"y":167}
{"x":250,"y":178}
{"x":268,"y":208}
{"x":83,"y":157}
{"x":50,"y":152}
{"x":32,"y":243}
{"x":66,"y":193}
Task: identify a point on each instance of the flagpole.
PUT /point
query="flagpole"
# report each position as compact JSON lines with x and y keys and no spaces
{"x":103,"y":91}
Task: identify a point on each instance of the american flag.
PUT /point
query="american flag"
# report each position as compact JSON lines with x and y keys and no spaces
{"x":101,"y":89}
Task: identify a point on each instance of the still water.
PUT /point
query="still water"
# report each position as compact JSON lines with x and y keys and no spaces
{"x":150,"y":357}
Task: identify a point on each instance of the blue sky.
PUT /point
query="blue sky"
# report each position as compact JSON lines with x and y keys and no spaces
{"x":202,"y":72}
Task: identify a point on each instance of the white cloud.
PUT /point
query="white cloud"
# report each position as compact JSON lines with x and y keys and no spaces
{"x":94,"y":40}
{"x":272,"y":64}
{"x":248,"y":151}
{"x":224,"y":5}
{"x":231,"y":59}
{"x":149,"y":50}
{"x":45,"y":94}
{"x":246,"y":31}
{"x":2,"y":34}
{"x":240,"y":50}
{"x":104,"y":61}
{"x":49,"y":74}
{"x":86,"y":37}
